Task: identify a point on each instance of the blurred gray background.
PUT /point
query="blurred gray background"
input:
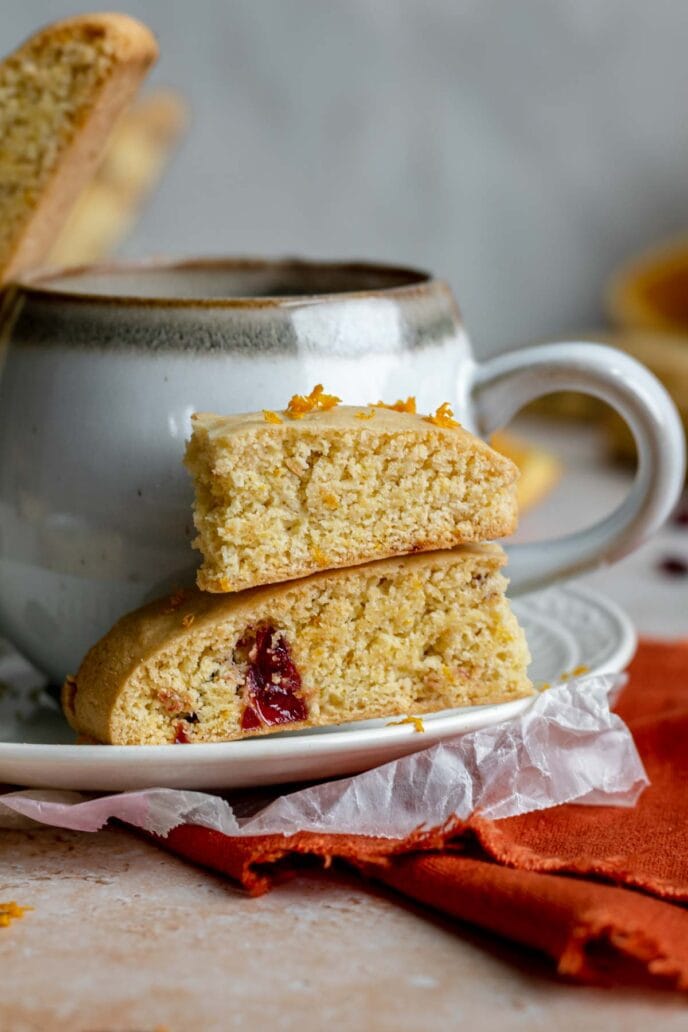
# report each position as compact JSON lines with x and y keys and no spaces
{"x":520,"y":148}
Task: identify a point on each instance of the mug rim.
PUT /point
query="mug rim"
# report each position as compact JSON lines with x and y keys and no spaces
{"x":404,"y":281}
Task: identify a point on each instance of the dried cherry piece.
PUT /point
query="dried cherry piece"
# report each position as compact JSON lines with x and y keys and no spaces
{"x":680,"y":517}
{"x":674,"y":566}
{"x":273,"y":684}
{"x":182,"y":736}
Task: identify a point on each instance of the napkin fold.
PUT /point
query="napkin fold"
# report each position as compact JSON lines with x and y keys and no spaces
{"x":599,"y":889}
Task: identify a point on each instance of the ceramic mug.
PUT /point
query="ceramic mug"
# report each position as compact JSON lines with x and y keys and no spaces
{"x":103,"y":367}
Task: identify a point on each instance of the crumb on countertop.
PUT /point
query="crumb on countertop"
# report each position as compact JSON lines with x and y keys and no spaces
{"x":10,"y":912}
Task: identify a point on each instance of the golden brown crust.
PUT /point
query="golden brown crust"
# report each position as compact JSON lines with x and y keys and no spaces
{"x":346,"y":417}
{"x":127,"y":49}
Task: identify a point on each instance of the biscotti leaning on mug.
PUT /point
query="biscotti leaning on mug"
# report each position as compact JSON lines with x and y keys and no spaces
{"x":61,"y":93}
{"x":318,"y":484}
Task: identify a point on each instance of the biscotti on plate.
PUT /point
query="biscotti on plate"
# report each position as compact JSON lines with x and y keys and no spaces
{"x":283,"y":495}
{"x":400,"y":636}
{"x":60,"y":95}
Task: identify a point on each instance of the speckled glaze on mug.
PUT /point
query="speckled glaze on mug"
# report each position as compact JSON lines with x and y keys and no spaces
{"x":101,"y":369}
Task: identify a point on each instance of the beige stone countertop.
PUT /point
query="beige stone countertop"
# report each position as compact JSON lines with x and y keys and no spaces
{"x":124,"y":937}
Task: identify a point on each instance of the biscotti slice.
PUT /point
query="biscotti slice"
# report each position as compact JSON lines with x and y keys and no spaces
{"x":134,"y":159}
{"x":279,"y":497}
{"x":60,"y":94}
{"x":539,"y":469}
{"x":408,"y":635}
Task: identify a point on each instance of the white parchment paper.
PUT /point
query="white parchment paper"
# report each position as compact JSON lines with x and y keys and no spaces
{"x":567,"y":747}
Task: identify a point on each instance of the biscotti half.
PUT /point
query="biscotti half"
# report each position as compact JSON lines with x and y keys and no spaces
{"x":279,"y":498}
{"x":60,"y":95}
{"x":408,"y":635}
{"x":134,"y":159}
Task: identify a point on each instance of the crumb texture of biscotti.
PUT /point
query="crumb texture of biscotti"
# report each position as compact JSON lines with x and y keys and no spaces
{"x":279,"y":498}
{"x":60,"y":94}
{"x":409,"y":635}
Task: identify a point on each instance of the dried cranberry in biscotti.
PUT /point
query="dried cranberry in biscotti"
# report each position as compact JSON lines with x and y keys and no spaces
{"x":272,"y":690}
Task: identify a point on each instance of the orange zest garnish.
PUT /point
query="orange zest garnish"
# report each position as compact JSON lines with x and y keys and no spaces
{"x":9,"y":912}
{"x":416,"y":721}
{"x":271,"y":417}
{"x":443,"y":417}
{"x":399,"y":406}
{"x":330,"y":500}
{"x":301,"y":404}
{"x":365,"y":415}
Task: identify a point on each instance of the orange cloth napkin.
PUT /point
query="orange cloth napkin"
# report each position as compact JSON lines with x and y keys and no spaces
{"x":598,"y":889}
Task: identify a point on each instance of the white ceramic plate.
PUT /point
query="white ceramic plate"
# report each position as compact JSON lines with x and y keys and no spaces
{"x":566,"y":627}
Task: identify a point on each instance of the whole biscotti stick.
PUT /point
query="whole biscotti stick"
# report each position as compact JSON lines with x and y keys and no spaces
{"x":60,"y":94}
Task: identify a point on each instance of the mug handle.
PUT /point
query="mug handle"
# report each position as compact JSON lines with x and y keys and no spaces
{"x":500,"y":387}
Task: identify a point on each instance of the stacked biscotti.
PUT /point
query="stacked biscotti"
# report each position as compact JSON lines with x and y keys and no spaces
{"x":347,"y":574}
